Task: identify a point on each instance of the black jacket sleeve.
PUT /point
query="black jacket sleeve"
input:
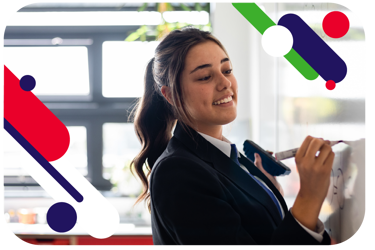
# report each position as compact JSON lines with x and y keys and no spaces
{"x":191,"y":204}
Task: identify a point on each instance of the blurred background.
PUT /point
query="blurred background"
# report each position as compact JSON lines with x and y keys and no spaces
{"x":89,"y":60}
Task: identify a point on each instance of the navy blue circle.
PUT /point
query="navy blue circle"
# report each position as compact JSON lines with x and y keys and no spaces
{"x":61,"y":217}
{"x":27,"y":83}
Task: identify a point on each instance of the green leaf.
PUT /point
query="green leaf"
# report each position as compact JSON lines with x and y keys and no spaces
{"x":132,"y":37}
{"x":171,"y":26}
{"x":143,"y":37}
{"x":207,"y":7}
{"x":143,"y":29}
{"x":206,"y":28}
{"x":198,"y":7}
{"x":144,"y":6}
{"x":146,"y":33}
{"x":170,"y":7}
{"x":184,"y":7}
{"x":135,"y":35}
{"x":180,"y":25}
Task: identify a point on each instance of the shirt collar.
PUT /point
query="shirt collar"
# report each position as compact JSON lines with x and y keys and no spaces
{"x":222,"y":145}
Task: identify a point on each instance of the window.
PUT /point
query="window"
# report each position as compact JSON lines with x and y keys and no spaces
{"x":120,"y":147}
{"x":57,"y":70}
{"x":15,"y":162}
{"x":90,"y":79}
{"x":124,"y":65}
{"x":66,"y":62}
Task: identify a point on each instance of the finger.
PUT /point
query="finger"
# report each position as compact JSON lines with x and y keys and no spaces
{"x":323,"y":154}
{"x":258,"y":161}
{"x":270,"y":152}
{"x":325,"y":141}
{"x":329,"y":160}
{"x":315,"y":145}
{"x":302,"y":150}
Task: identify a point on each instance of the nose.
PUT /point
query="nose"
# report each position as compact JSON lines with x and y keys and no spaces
{"x":223,"y":82}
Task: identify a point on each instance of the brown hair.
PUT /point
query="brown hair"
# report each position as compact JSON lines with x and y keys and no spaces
{"x":154,"y":117}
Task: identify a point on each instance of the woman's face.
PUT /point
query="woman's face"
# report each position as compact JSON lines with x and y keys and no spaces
{"x":209,"y":86}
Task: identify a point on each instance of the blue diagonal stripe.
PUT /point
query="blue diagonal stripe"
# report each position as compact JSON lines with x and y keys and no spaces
{"x":42,"y":161}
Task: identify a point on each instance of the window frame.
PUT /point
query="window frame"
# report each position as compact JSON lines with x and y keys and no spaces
{"x":78,"y":113}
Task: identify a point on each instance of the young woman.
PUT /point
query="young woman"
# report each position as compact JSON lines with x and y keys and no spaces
{"x":201,"y":190}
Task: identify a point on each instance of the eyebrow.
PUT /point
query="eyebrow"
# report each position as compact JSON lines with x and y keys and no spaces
{"x":208,"y":65}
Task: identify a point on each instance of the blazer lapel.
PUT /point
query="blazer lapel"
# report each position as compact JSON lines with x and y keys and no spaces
{"x":256,"y":172}
{"x":222,"y":163}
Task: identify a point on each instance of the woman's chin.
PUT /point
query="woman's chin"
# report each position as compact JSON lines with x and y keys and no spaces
{"x":228,"y":120}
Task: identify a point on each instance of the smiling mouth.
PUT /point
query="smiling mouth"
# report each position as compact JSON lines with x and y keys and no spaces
{"x":225,"y":100}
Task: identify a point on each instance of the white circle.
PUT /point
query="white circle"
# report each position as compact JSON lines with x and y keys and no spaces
{"x":277,"y":40}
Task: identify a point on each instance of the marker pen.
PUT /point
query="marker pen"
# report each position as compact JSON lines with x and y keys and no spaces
{"x":292,"y":152}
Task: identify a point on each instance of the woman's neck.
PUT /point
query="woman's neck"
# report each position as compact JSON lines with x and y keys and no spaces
{"x":215,"y":131}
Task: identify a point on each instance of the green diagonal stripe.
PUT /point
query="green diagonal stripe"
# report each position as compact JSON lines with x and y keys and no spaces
{"x":262,"y":22}
{"x":255,"y":16}
{"x":301,"y":65}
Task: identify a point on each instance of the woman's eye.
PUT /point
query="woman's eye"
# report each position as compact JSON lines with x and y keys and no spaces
{"x":204,"y":79}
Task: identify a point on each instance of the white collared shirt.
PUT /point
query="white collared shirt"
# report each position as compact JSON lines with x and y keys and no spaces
{"x":224,"y":146}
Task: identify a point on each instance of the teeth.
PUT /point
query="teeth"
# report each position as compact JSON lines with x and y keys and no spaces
{"x":225,"y":100}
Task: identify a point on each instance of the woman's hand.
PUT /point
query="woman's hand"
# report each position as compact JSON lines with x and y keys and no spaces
{"x":314,"y":172}
{"x":258,"y":164}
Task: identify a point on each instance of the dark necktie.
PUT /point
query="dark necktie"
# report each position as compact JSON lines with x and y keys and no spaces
{"x":234,"y":157}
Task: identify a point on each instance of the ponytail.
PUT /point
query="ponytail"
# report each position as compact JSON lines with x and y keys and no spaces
{"x":153,"y":123}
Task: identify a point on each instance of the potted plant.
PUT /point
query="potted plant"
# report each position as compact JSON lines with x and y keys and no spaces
{"x":152,"y":33}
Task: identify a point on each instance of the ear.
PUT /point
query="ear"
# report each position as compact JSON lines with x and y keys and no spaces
{"x":166,"y":91}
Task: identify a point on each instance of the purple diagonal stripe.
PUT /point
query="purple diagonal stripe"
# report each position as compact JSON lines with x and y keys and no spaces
{"x":313,"y":49}
{"x":42,"y":161}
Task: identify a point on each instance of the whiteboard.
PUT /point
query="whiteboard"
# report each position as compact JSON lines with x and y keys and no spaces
{"x":346,"y":195}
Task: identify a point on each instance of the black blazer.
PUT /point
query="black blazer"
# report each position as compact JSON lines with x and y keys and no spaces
{"x":200,"y":196}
